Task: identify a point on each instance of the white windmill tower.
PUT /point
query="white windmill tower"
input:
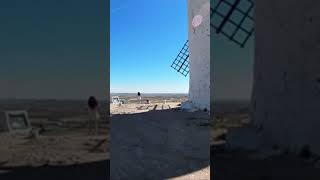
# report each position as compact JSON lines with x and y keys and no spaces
{"x":194,"y":57}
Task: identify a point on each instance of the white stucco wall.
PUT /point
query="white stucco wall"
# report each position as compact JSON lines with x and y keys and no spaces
{"x":286,"y":90}
{"x":199,"y":51}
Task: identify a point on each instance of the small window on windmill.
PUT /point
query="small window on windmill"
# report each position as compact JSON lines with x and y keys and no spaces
{"x":16,"y":122}
{"x":233,"y":19}
{"x":181,"y":62}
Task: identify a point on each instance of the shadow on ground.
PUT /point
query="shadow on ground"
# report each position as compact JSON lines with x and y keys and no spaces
{"x":160,"y":145}
{"x":230,"y":166}
{"x":89,"y":171}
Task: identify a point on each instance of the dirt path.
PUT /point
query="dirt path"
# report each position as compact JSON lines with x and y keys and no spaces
{"x":160,"y":144}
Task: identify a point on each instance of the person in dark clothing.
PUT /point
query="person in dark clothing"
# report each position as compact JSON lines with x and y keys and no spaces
{"x":93,"y":114}
{"x":139,"y":97}
{"x":92,"y":102}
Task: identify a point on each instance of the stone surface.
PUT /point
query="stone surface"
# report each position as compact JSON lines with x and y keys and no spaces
{"x":188,"y":106}
{"x":199,"y":51}
{"x":244,"y":138}
{"x":286,"y":90}
{"x":160,"y":145}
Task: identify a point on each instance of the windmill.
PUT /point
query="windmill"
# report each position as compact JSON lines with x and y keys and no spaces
{"x":181,"y":62}
{"x":230,"y":18}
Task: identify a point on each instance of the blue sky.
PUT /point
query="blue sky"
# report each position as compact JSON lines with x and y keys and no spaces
{"x":145,"y":37}
{"x":53,"y":49}
{"x":57,"y":49}
{"x":232,"y":68}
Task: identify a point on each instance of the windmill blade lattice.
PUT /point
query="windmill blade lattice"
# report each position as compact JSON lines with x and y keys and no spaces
{"x":233,"y":19}
{"x":181,"y":62}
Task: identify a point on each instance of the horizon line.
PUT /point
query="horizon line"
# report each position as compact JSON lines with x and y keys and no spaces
{"x":149,"y":93}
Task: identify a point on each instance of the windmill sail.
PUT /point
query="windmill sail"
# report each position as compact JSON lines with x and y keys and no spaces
{"x":181,"y":62}
{"x":233,"y":19}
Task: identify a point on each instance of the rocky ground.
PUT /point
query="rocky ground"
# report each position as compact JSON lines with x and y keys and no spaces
{"x":159,"y":141}
{"x":239,"y":152}
{"x":63,"y":142}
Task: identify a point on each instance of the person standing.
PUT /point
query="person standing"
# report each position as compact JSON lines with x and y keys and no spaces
{"x":139,"y":97}
{"x":94,"y":115}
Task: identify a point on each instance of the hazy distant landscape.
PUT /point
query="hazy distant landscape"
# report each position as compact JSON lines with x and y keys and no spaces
{"x":51,"y":108}
{"x":150,"y":94}
{"x":151,"y":97}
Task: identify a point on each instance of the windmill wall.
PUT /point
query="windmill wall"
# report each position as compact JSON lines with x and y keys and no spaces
{"x":199,"y":51}
{"x":286,"y":90}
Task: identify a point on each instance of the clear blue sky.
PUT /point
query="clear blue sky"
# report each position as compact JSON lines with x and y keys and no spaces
{"x":53,"y":49}
{"x":145,"y":38}
{"x":232,"y":68}
{"x":57,"y":49}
